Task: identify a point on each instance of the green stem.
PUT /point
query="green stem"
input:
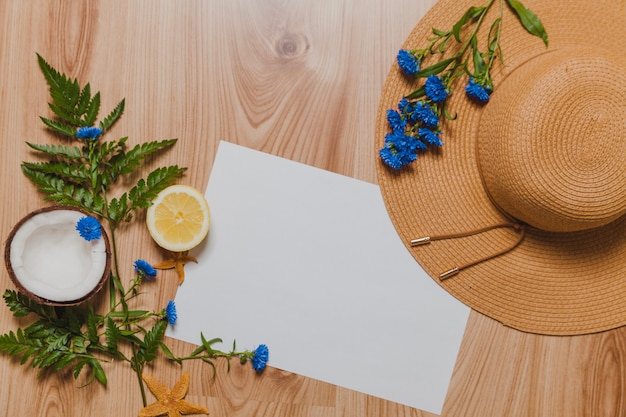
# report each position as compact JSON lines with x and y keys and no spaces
{"x":137,"y":367}
{"x":468,"y":42}
{"x":138,"y":370}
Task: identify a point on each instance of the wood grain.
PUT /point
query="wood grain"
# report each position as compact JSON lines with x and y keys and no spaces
{"x":297,"y":79}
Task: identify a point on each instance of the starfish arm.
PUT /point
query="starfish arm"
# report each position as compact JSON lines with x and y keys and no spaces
{"x":185,"y":407}
{"x":180,"y":389}
{"x":167,"y":264}
{"x":153,"y":410}
{"x":180,"y":270}
{"x":156,"y":387}
{"x":188,"y":258}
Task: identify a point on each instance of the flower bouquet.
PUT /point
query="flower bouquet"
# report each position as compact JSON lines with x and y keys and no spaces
{"x":75,"y":242}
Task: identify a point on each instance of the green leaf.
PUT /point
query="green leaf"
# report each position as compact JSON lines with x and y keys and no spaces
{"x":479,"y":62}
{"x":112,"y":117}
{"x":79,"y":367}
{"x":60,"y":127}
{"x":142,"y":195}
{"x":84,"y":100}
{"x":98,"y":371}
{"x":112,"y":334}
{"x":64,"y":361}
{"x":90,"y":114}
{"x":92,"y":327}
{"x":207,"y":344}
{"x":21,"y":305}
{"x":435,"y":68}
{"x":130,"y":314}
{"x":71,"y":105}
{"x":57,"y":190}
{"x":60,"y":151}
{"x":169,"y":353}
{"x":420,"y":92}
{"x":124,"y":163}
{"x":67,"y":115}
{"x":448,"y":115}
{"x":529,"y":20}
{"x":64,"y":91}
{"x":471,"y":13}
{"x":118,"y":209}
{"x":440,"y":33}
{"x":152,"y":342}
{"x":76,"y":173}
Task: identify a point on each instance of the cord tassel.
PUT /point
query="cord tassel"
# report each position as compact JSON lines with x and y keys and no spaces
{"x":454,"y":271}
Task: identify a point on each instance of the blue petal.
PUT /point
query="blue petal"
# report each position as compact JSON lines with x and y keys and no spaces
{"x":407,"y":62}
{"x":435,"y":90}
{"x":144,"y":268}
{"x":88,"y":132}
{"x":89,"y":228}
{"x":170,"y":312}
{"x":260,"y":358}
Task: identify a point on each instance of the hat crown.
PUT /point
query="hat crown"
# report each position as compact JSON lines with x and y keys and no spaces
{"x":552,"y":141}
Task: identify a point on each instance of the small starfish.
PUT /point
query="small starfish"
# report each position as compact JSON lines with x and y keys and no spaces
{"x":176,"y":260}
{"x":169,"y":402}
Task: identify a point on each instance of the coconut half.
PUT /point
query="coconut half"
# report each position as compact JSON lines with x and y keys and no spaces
{"x":48,"y":260}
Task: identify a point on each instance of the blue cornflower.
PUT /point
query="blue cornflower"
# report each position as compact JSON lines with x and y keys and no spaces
{"x":425,"y":114}
{"x":430,"y":136}
{"x":90,"y":133}
{"x":170,"y":312}
{"x":390,"y":158}
{"x":145,"y":269}
{"x":89,"y":228}
{"x":435,"y":89}
{"x":400,"y":150}
{"x":408,"y":62}
{"x":478,"y":91}
{"x":260,"y":358}
{"x":396,"y":121}
{"x":405,"y":106}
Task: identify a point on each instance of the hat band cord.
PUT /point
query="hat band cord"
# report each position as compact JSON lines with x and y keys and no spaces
{"x":452,"y":272}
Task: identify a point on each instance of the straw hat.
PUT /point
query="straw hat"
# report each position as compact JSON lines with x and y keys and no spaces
{"x":546,"y":156}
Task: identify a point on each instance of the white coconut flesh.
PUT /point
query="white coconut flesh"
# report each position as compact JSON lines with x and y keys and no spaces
{"x":51,"y":260}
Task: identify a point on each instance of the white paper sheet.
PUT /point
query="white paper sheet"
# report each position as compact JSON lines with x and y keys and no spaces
{"x":309,"y":263}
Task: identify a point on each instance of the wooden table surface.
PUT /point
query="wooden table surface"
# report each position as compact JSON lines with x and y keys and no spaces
{"x":297,"y":79}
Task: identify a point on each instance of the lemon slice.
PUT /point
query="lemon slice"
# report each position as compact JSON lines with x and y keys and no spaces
{"x":179,"y":218}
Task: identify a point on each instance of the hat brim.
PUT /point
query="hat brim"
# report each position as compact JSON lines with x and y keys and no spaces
{"x":553,"y":283}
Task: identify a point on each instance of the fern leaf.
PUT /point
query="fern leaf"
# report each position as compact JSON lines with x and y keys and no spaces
{"x":112,"y":117}
{"x":163,"y":177}
{"x":66,"y":115}
{"x":16,"y":344}
{"x":118,"y":209}
{"x":64,"y":91}
{"x":76,"y":173}
{"x":124,"y":163}
{"x":91,"y":322}
{"x":91,"y":113}
{"x":22,"y":306}
{"x":152,"y":342}
{"x":79,"y":367}
{"x":112,"y":335}
{"x":60,"y":127}
{"x":62,"y":151}
{"x":142,"y":194}
{"x":64,"y":361}
{"x":139,"y":152}
{"x":84,"y":99}
{"x":62,"y":88}
{"x":55,"y":189}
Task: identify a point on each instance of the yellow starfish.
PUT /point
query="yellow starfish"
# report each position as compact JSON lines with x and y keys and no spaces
{"x":176,"y":260}
{"x":170,"y":402}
